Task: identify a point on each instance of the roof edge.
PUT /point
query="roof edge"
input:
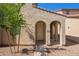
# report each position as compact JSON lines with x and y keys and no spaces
{"x":34,"y":5}
{"x":50,"y":11}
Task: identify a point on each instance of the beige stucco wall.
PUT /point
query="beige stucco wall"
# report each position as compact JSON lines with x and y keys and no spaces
{"x":32,"y":15}
{"x":60,"y":12}
{"x":4,"y":37}
{"x":72,"y":29}
{"x":71,"y":11}
{"x":72,"y":26}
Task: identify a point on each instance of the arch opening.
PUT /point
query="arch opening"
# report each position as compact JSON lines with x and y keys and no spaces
{"x":40,"y":29}
{"x":55,"y":30}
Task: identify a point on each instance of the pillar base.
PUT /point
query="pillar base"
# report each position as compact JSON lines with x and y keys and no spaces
{"x":62,"y":45}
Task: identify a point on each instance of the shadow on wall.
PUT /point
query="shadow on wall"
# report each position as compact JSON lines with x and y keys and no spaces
{"x":71,"y":40}
{"x":30,"y":34}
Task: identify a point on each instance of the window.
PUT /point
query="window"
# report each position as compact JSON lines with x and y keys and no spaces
{"x":67,"y":12}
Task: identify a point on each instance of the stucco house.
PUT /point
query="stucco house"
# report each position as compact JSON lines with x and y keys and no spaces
{"x":46,"y":27}
{"x":71,"y":23}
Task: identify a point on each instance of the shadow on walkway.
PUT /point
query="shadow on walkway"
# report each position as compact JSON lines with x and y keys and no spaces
{"x":72,"y":40}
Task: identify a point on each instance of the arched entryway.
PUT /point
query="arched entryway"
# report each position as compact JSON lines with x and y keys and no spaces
{"x":40,"y":32}
{"x":55,"y":29}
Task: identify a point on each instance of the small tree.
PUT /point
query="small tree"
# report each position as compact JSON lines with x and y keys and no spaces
{"x":16,"y":24}
{"x":11,"y":20}
{"x":4,"y":24}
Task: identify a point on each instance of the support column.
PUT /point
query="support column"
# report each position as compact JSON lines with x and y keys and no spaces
{"x":62,"y":35}
{"x":56,"y":31}
{"x":47,"y":34}
{"x":53,"y":31}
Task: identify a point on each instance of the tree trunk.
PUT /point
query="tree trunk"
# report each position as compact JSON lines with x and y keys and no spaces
{"x":14,"y":44}
{"x":19,"y":40}
{"x":9,"y":41}
{"x":1,"y":37}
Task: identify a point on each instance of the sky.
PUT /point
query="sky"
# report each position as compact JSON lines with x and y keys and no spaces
{"x":58,"y":6}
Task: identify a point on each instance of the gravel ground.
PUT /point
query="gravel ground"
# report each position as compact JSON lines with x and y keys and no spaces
{"x":72,"y":49}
